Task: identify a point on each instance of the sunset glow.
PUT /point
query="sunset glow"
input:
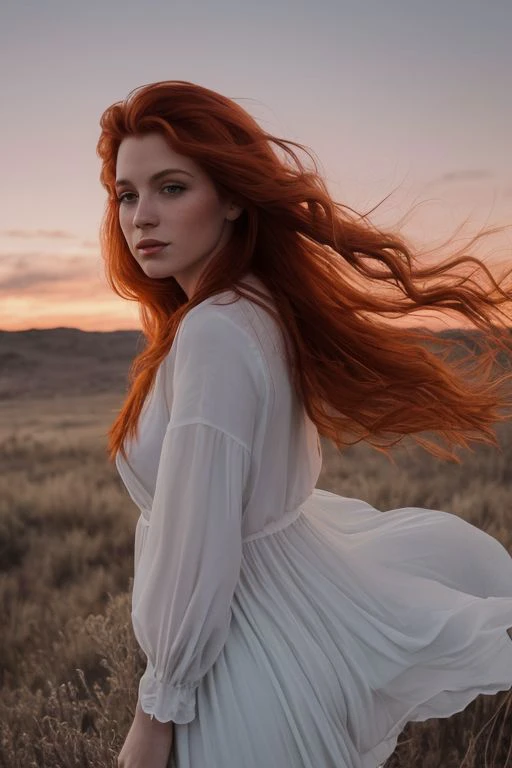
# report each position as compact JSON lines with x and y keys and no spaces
{"x":391,"y":98}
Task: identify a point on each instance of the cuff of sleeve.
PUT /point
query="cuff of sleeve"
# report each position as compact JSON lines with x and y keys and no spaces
{"x":165,"y":701}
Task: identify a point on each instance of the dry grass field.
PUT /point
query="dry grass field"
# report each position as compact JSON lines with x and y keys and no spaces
{"x":69,"y":665}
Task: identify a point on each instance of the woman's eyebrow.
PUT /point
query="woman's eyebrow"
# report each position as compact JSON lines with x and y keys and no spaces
{"x":156,"y":176}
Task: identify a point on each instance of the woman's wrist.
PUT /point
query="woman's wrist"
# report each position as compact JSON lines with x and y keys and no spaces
{"x":152,"y":721}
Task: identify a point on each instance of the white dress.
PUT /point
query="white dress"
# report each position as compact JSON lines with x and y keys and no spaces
{"x":285,"y":625}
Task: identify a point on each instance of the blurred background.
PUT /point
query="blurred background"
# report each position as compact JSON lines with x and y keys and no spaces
{"x":407,"y":98}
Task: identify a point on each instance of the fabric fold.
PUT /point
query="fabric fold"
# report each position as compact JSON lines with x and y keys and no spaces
{"x":188,"y":564}
{"x":166,"y":701}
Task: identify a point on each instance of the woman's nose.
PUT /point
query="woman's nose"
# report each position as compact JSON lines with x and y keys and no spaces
{"x":145,"y":212}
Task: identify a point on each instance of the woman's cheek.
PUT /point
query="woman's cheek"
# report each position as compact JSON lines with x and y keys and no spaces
{"x":123,"y":223}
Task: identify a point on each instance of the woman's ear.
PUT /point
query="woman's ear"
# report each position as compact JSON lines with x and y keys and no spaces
{"x":234,"y":211}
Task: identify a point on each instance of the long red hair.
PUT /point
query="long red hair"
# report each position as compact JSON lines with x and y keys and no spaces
{"x":357,"y":376}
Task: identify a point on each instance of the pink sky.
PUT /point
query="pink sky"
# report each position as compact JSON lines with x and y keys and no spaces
{"x":387,"y":96}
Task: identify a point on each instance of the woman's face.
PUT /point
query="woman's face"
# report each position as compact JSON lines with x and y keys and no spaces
{"x":167,"y":197}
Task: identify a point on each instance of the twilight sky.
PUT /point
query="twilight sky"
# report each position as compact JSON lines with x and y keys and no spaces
{"x":400,"y":96}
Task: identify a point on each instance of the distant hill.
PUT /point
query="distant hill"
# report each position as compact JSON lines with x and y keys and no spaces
{"x":50,"y":362}
{"x":53,"y":361}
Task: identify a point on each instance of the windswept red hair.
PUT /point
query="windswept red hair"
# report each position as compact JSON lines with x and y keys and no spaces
{"x":356,"y":376}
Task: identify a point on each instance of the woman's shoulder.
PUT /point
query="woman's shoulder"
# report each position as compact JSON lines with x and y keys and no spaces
{"x":214,"y":318}
{"x":220,"y":342}
{"x":226,"y":310}
{"x":226,"y":326}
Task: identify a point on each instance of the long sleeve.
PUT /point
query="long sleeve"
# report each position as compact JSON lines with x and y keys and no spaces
{"x":190,"y":560}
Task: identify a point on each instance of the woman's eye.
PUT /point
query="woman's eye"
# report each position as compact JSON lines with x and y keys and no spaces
{"x":122,"y":198}
{"x":170,"y":186}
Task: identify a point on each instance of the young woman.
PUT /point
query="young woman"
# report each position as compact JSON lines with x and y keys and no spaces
{"x":285,"y":625}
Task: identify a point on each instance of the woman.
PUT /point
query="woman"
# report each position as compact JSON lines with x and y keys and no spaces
{"x":284,"y":625}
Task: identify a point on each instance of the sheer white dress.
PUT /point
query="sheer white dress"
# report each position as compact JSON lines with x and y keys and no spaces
{"x":285,"y":625}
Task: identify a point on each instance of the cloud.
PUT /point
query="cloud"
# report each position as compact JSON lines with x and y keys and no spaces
{"x":54,"y":276}
{"x":18,"y":260}
{"x":468,"y":175}
{"x":49,"y":234}
{"x":24,"y":281}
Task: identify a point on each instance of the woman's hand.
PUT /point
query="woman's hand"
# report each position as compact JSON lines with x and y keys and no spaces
{"x":148,"y":743}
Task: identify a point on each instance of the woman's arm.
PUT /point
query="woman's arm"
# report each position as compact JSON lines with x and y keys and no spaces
{"x":149,"y":742}
{"x":191,"y":552}
{"x":189,"y":565}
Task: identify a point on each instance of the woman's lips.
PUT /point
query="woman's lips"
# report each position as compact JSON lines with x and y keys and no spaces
{"x":151,"y":249}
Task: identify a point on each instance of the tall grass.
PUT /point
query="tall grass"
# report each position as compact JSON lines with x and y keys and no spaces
{"x":69,"y":664}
